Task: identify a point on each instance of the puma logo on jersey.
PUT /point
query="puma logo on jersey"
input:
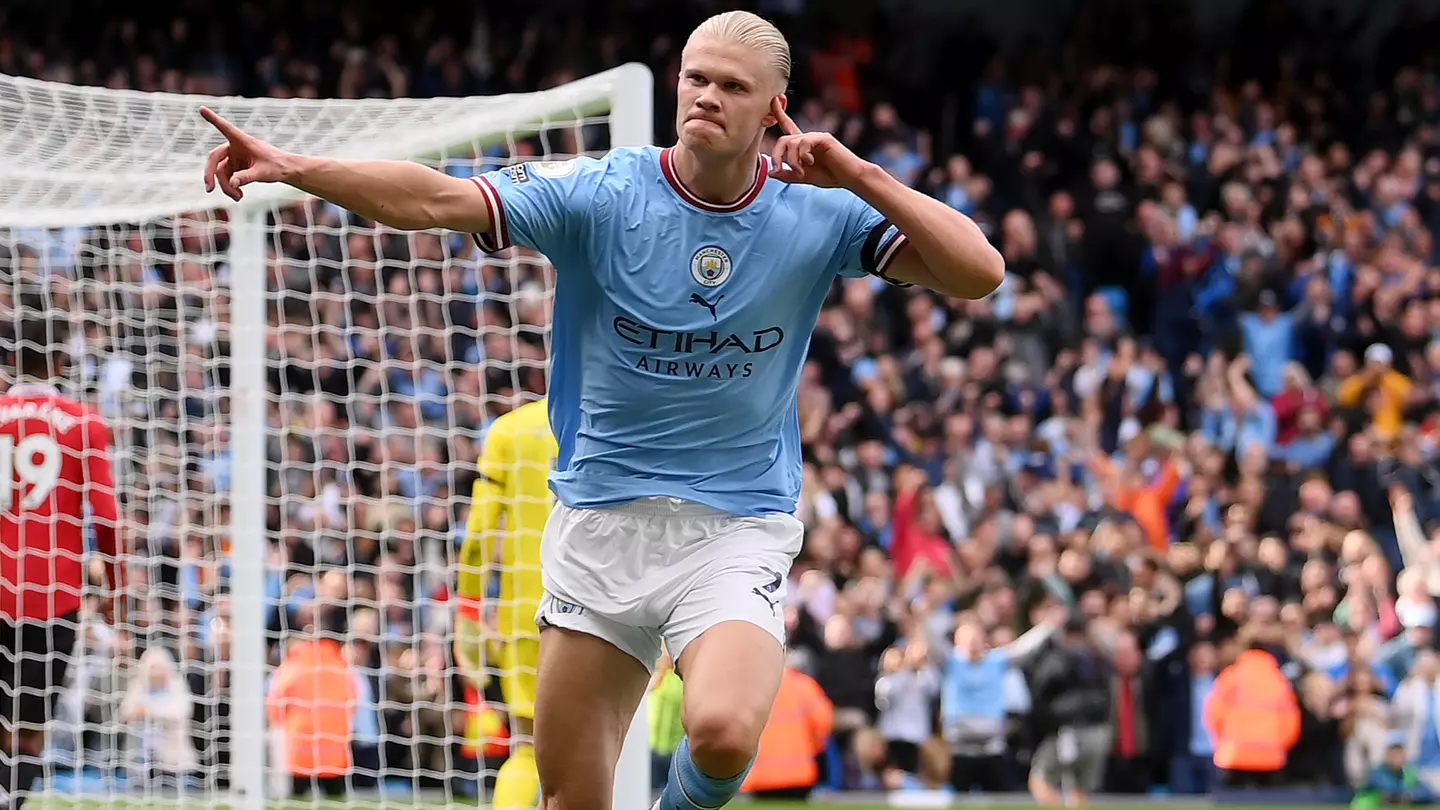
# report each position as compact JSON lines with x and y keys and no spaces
{"x":696,"y":298}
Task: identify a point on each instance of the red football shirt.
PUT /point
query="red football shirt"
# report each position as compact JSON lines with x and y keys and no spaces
{"x":54,"y":459}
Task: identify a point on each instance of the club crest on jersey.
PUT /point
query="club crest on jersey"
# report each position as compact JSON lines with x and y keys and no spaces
{"x":553,"y":169}
{"x":710,"y":266}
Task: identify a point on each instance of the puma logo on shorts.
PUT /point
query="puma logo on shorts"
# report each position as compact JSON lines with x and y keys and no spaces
{"x":560,"y":606}
{"x":767,"y":591}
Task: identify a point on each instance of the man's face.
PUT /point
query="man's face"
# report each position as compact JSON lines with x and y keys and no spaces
{"x":1202,"y":658}
{"x":724,"y":97}
{"x":970,"y":640}
{"x":1127,"y":657}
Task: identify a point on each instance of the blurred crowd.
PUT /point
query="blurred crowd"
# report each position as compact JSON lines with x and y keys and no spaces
{"x":1182,"y":465}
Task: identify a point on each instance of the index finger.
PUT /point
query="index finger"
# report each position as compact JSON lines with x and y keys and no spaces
{"x":229,"y":130}
{"x":787,"y":125}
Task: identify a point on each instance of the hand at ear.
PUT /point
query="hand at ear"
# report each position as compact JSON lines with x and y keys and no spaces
{"x":779,"y":102}
{"x":815,"y":158}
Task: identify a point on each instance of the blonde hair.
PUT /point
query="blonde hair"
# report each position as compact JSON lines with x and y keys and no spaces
{"x":752,"y":31}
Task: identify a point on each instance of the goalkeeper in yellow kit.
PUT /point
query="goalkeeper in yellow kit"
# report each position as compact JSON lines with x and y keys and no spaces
{"x":513,"y":487}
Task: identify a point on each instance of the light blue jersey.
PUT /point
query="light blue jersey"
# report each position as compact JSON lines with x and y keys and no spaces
{"x":680,"y":327}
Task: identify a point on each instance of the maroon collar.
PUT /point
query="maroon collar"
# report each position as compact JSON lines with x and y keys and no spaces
{"x":667,"y":168}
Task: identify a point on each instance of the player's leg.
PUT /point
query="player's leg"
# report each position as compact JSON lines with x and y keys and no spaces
{"x":301,"y":786}
{"x":9,"y":681}
{"x":35,"y":657}
{"x":599,"y":639}
{"x":732,"y":672}
{"x":1095,"y":744}
{"x":728,"y":631}
{"x":588,"y":686}
{"x":333,"y":787}
{"x":1046,"y":774}
{"x":517,"y":785}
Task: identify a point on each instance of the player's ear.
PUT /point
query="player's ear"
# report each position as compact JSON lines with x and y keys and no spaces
{"x":783,"y":102}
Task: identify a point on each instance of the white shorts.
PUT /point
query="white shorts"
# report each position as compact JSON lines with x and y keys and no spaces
{"x":664,"y":569}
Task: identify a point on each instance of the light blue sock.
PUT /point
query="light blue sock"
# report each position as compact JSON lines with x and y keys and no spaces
{"x":690,"y":789}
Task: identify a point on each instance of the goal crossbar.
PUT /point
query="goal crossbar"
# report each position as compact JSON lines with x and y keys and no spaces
{"x":81,"y":156}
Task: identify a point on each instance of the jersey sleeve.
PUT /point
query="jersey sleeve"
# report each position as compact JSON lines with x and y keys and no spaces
{"x":544,"y":205}
{"x":100,"y":495}
{"x":870,"y":242}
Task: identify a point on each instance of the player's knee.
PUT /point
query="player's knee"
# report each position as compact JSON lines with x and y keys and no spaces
{"x":722,"y":739}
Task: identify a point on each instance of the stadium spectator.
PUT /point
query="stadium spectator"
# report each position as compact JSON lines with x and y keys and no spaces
{"x":1394,"y":781}
{"x":1378,"y":389}
{"x":1137,"y":710}
{"x":1413,"y":712}
{"x":846,"y":667}
{"x":1072,"y":689}
{"x":158,"y":708}
{"x":905,"y":696}
{"x":311,"y":703}
{"x":794,"y":737}
{"x":1254,"y":720}
{"x":1192,"y":765}
{"x":974,"y":704}
{"x":365,"y":735}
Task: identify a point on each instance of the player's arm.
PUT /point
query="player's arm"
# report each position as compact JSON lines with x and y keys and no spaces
{"x":925,"y":242}
{"x":943,"y":250}
{"x":104,"y":510}
{"x":396,"y":193}
{"x":545,"y":209}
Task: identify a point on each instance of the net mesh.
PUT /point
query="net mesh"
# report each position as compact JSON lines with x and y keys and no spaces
{"x":388,"y":355}
{"x":81,"y":155}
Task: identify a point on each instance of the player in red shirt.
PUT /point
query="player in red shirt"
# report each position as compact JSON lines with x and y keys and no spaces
{"x":54,"y":461}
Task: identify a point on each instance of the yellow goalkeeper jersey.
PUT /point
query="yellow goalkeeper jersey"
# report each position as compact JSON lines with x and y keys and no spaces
{"x":511,"y":503}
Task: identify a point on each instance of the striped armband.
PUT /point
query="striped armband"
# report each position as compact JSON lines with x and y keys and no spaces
{"x":498,"y":237}
{"x":880,"y":249}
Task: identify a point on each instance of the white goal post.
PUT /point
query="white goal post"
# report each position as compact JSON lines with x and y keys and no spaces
{"x":219,"y":338}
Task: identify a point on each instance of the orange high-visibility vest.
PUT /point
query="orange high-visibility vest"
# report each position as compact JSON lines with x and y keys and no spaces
{"x":1252,"y":715}
{"x":313,"y":696}
{"x":797,"y":731}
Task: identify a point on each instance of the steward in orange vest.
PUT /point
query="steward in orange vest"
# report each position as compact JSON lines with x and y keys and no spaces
{"x":1252,"y":715}
{"x":797,"y":731}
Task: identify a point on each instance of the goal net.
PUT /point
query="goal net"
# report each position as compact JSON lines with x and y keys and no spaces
{"x":297,"y":399}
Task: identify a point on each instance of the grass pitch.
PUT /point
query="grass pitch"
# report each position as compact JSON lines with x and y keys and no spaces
{"x":898,"y":802}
